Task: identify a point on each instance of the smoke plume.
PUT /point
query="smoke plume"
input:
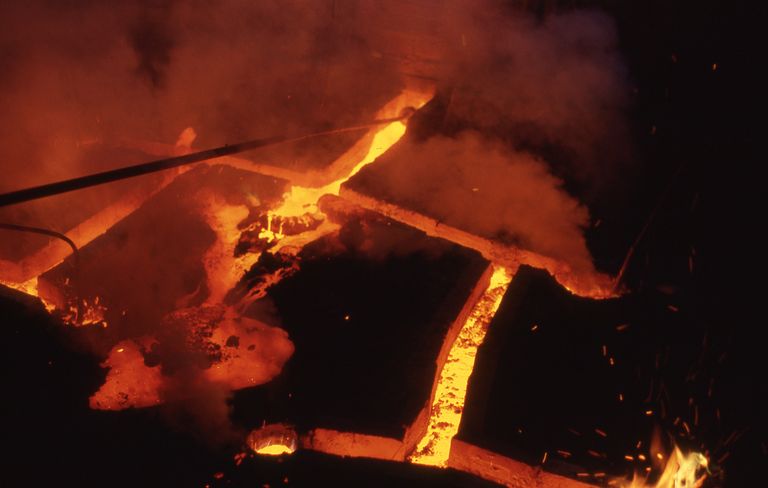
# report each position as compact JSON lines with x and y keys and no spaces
{"x":531,"y":123}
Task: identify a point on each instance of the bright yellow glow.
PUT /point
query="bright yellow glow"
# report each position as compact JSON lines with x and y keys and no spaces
{"x":445,"y":416}
{"x":275,"y":450}
{"x":273,"y":440}
{"x":301,"y":200}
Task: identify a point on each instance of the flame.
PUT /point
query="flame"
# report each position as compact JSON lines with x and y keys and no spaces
{"x":434,"y":448}
{"x":680,"y":471}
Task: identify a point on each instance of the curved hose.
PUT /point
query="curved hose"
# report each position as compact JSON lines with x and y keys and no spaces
{"x":75,"y":253}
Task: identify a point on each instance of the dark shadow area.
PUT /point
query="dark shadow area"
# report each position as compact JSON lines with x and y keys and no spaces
{"x":368,"y":312}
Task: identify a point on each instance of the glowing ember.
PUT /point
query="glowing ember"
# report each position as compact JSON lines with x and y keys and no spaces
{"x":89,"y":313}
{"x":434,"y":448}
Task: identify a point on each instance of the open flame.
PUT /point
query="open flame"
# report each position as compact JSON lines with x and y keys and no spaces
{"x":680,"y":471}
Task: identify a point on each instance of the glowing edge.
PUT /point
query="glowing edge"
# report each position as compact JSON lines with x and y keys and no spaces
{"x":448,"y":405}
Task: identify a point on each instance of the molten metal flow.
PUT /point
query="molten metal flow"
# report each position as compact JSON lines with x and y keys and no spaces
{"x":435,"y":447}
{"x":301,"y":200}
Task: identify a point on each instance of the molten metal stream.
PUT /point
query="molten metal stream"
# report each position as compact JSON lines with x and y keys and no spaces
{"x":435,"y":447}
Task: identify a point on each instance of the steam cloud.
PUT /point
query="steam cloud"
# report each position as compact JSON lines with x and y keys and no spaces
{"x":478,"y":184}
{"x":555,"y":86}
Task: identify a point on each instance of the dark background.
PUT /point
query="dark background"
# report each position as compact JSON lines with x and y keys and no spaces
{"x":696,"y":129}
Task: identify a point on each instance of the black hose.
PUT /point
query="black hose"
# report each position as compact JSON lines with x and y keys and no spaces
{"x":75,"y":253}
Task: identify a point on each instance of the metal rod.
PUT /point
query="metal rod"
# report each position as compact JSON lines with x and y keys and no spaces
{"x":64,"y":186}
